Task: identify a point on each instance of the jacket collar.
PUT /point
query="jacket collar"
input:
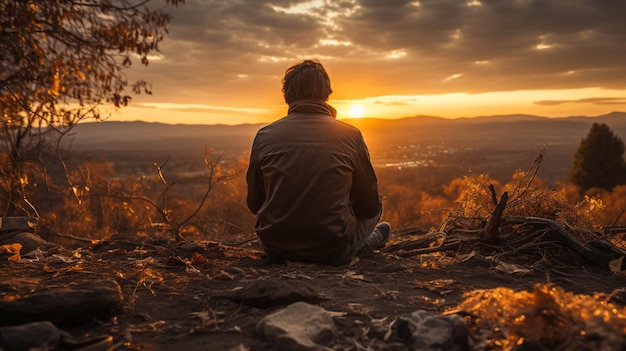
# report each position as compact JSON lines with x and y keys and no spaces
{"x":312,"y":106}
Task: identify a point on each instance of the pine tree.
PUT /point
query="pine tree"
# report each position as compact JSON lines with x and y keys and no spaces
{"x":598,"y":162}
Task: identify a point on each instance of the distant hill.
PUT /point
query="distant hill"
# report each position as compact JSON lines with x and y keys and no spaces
{"x":497,"y":145}
{"x":482,"y":131}
{"x":142,"y":135}
{"x":487,"y":130}
{"x":476,"y":131}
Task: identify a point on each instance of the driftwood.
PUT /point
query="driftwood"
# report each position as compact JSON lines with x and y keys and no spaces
{"x":428,"y":243}
{"x":61,"y":305}
{"x":545,"y":232}
{"x":598,"y":252}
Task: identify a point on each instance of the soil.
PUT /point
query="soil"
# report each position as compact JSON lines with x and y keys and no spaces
{"x":184,"y":297}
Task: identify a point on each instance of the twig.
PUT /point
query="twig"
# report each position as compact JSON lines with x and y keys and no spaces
{"x":534,"y":167}
{"x":87,"y":240}
{"x":72,"y":237}
{"x":240,"y":243}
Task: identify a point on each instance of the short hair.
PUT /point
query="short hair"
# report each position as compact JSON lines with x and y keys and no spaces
{"x":307,"y":79}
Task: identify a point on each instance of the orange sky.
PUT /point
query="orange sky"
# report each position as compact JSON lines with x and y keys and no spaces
{"x":223,"y":61}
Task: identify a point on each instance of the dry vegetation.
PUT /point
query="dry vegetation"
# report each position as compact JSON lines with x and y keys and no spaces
{"x":131,"y":230}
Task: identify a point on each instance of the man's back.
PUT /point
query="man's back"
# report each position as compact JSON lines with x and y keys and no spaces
{"x":312,"y":177}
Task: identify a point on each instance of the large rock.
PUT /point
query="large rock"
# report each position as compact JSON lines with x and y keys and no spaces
{"x":299,"y":327}
{"x":73,"y":303}
{"x":431,"y":332}
{"x":22,"y":224}
{"x":29,"y":241}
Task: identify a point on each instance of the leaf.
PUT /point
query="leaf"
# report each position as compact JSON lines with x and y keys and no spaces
{"x":511,"y":268}
{"x":197,"y":259}
{"x":616,"y":265}
{"x":353,"y":275}
{"x":13,"y":250}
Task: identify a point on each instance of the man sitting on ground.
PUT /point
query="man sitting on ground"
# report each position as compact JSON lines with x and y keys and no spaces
{"x":310,"y":180}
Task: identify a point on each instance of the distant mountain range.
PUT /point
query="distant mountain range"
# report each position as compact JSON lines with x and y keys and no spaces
{"x":497,"y":145}
{"x":477,"y":132}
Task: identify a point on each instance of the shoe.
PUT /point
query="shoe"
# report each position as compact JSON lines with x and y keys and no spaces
{"x":379,"y":237}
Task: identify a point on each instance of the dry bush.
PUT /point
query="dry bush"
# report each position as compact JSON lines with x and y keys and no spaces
{"x":407,"y":207}
{"x":503,"y":319}
{"x":88,"y":200}
{"x":614,"y":203}
{"x":475,"y":203}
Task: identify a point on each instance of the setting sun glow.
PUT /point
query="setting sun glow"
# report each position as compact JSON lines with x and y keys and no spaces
{"x":356,"y":111}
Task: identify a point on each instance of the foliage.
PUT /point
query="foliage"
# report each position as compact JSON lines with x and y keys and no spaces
{"x":101,"y":204}
{"x":598,"y":162}
{"x":90,"y":198}
{"x":546,"y":318}
{"x":61,"y":61}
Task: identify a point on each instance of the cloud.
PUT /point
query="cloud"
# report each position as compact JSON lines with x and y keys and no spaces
{"x":219,"y":49}
{"x":198,"y":108}
{"x":593,"y":101}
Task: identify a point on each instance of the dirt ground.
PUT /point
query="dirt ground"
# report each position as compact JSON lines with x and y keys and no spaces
{"x":186,"y":297}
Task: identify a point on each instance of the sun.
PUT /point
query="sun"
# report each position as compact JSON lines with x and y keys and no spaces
{"x":356,"y":111}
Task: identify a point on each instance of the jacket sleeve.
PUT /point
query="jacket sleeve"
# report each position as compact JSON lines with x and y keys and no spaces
{"x":256,"y":187}
{"x":364,"y":193}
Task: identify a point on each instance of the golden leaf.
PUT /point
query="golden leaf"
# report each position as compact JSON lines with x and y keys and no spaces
{"x":13,"y":250}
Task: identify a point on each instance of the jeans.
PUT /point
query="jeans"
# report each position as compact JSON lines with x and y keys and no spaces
{"x":364,"y":228}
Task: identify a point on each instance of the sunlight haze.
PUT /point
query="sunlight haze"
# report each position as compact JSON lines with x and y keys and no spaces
{"x":223,"y":61}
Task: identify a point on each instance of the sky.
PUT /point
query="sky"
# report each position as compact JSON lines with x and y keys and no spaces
{"x":223,"y":61}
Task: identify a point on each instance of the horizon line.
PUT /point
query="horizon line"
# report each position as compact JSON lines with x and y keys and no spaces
{"x":365,"y":118}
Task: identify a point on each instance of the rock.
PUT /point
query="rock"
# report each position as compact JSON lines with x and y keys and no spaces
{"x":46,"y":336}
{"x":28,"y":336}
{"x":190,"y":246}
{"x":29,"y":241}
{"x":22,"y":224}
{"x":270,"y":293}
{"x":431,"y":332}
{"x":60,"y":305}
{"x":299,"y":327}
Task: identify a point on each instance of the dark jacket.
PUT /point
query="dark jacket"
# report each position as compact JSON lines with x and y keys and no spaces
{"x":309,"y":178}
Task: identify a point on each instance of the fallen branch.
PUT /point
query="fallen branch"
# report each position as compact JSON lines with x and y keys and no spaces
{"x":598,"y":252}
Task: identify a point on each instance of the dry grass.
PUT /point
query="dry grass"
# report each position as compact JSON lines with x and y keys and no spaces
{"x":558,"y":320}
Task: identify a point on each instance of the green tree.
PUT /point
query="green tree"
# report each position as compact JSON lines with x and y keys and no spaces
{"x":60,"y":62}
{"x":598,"y":162}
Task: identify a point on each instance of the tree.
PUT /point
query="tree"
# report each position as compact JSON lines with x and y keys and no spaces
{"x":61,"y":61}
{"x":598,"y":162}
